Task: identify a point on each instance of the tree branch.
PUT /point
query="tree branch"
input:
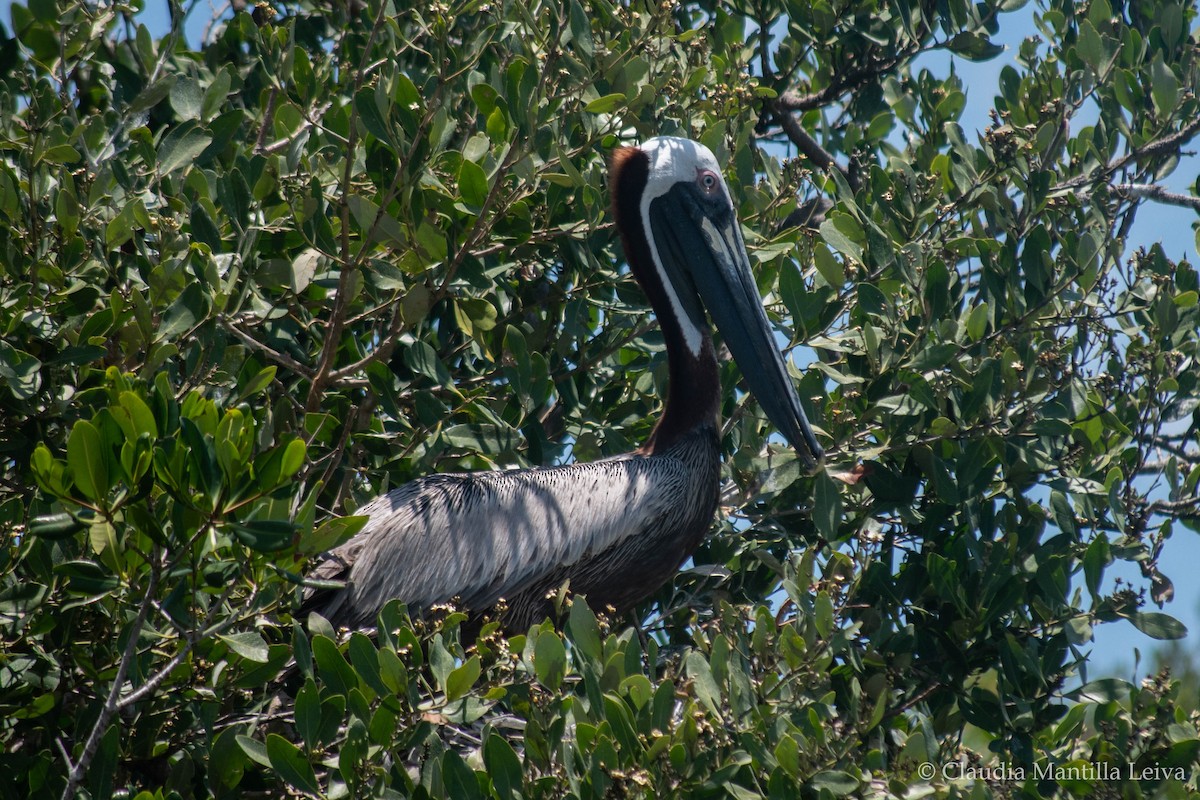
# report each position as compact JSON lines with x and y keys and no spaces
{"x":283,"y":359}
{"x":1189,"y":507}
{"x":809,"y":147}
{"x":1170,"y":143}
{"x":349,"y":266}
{"x":1153,"y":191}
{"x":112,"y":702}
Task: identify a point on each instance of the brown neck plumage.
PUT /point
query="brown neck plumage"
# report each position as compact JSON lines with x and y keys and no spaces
{"x":693,"y":394}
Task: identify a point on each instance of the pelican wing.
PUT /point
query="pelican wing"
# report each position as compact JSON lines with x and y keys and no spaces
{"x":485,"y":536}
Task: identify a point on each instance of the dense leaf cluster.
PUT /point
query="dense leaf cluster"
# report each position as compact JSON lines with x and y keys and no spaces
{"x":248,"y":286}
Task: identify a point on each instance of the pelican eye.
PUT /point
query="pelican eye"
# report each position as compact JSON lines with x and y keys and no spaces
{"x":709,"y":183}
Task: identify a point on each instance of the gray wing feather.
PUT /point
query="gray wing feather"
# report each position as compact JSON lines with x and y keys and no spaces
{"x":484,"y":536}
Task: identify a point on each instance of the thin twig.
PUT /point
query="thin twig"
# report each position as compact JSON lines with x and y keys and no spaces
{"x":283,"y":359}
{"x":156,"y":679}
{"x":341,"y":305}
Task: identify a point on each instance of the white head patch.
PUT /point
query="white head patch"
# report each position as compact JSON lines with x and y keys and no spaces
{"x":674,"y":160}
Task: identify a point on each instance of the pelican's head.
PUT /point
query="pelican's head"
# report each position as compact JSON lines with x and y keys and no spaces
{"x":695,"y":246}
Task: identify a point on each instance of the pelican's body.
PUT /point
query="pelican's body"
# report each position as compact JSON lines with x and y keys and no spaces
{"x":616,"y":529}
{"x":518,"y":535}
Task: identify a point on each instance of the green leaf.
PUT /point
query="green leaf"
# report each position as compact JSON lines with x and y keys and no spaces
{"x":67,"y":210}
{"x":549,"y":659}
{"x":367,"y":106}
{"x":60,"y":154}
{"x":269,"y":467}
{"x":472,"y":184}
{"x":152,"y":95}
{"x":1164,"y":86}
{"x":334,"y":669}
{"x":391,"y":670}
{"x":828,"y":267}
{"x":705,"y":686}
{"x":1064,"y":514}
{"x":827,"y":507}
{"x":497,"y":126}
{"x":186,"y":98}
{"x":181,"y":146}
{"x":188,"y":310}
{"x":87,"y":460}
{"x":606,"y":104}
{"x":103,"y":537}
{"x":261,"y":380}
{"x":977,"y":320}
{"x":287,"y":760}
{"x":54,"y":526}
{"x":264,"y":535}
{"x":293,"y":458}
{"x":331,"y":533}
{"x":203,"y":229}
{"x":408,"y":101}
{"x":20,"y":370}
{"x":1157,"y":625}
{"x":787,"y":753}
{"x":250,"y":645}
{"x":382,"y":227}
{"x":255,"y":750}
{"x":364,"y":658}
{"x":140,"y":414}
{"x":475,"y":315}
{"x":974,"y":47}
{"x":459,"y":778}
{"x":215,"y":94}
{"x":227,"y":760}
{"x":580,"y":27}
{"x":833,"y":234}
{"x":837,"y":783}
{"x":503,"y":767}
{"x":583,"y":630}
{"x":462,"y":679}
{"x":1095,"y":559}
{"x":308,"y":714}
{"x":87,"y":577}
{"x":480,"y":438}
{"x":119,"y":229}
{"x":1090,"y":46}
{"x":823,"y":614}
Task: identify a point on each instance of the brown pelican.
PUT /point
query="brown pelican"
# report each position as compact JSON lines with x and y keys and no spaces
{"x":619,"y":528}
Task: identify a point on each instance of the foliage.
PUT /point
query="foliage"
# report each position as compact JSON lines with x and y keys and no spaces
{"x":246,"y":287}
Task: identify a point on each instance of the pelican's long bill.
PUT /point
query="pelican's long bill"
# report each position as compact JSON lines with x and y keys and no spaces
{"x":700,"y":247}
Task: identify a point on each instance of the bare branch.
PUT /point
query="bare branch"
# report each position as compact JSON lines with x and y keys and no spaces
{"x":112,"y":702}
{"x":157,"y":678}
{"x":809,"y":147}
{"x":1168,"y":144}
{"x":1157,"y":147}
{"x":1153,"y":191}
{"x":381,"y":352}
{"x":282,"y":359}
{"x":349,"y":265}
{"x":1189,"y":507}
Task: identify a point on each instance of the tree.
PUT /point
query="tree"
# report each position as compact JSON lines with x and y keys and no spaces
{"x":247,"y":287}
